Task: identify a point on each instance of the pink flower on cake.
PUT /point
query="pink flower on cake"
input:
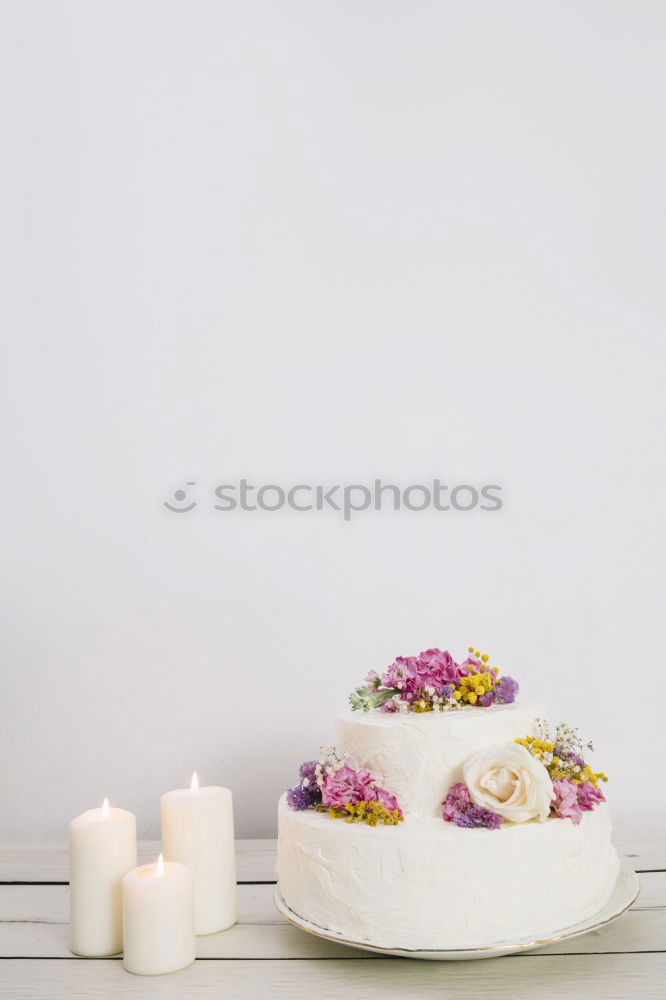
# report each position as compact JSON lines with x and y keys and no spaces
{"x":385,"y":799}
{"x":366,"y":785}
{"x":331,"y":785}
{"x":457,"y":808}
{"x":589,"y":796}
{"x":440,"y":667}
{"x":347,"y":787}
{"x":400,"y":673}
{"x":565,"y":804}
{"x":572,"y":799}
{"x":457,"y":801}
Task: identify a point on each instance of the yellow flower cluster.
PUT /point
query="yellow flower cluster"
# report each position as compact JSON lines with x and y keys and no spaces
{"x":371,"y":813}
{"x":541,"y":749}
{"x":557,"y":767}
{"x":587,"y":774}
{"x":473,"y":687}
{"x":594,"y":778}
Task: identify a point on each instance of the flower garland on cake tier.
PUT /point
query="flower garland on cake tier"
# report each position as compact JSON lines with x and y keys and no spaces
{"x":434,"y":682}
{"x":331,"y":785}
{"x":532,"y":778}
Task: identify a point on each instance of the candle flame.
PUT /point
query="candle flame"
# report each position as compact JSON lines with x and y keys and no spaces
{"x":194,"y":784}
{"x":105,"y":809}
{"x":159,"y":867}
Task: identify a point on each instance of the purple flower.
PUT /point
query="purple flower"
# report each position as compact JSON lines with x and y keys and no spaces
{"x":477,"y":817}
{"x":457,"y":801}
{"x":457,"y":808}
{"x":565,"y":803}
{"x":489,"y":819}
{"x":487,"y":699}
{"x":589,"y":796}
{"x":373,"y":680}
{"x":307,"y":771}
{"x":506,"y":690}
{"x":308,"y":792}
{"x":446,"y":691}
{"x":309,"y":786}
{"x":569,"y":755}
{"x":302,"y":798}
{"x":386,"y":799}
{"x":346,"y":787}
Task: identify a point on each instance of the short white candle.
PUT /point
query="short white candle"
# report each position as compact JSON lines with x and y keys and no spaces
{"x":198,"y":831}
{"x":158,"y":919}
{"x":102,"y":848}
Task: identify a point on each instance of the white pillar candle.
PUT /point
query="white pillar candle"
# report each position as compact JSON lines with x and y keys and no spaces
{"x":158,"y":919}
{"x":102,"y":848}
{"x":198,"y":831}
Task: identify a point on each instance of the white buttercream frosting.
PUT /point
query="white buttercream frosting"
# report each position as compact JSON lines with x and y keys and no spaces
{"x":430,"y":884}
{"x":418,"y":756}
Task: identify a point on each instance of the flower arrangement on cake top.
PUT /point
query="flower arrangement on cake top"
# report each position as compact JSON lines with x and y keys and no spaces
{"x":434,"y":682}
{"x":331,"y":785}
{"x":532,"y":778}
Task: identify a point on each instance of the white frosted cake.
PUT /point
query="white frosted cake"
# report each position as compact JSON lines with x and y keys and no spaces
{"x":430,"y":827}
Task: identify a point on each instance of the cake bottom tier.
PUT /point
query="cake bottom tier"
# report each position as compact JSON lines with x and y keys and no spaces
{"x":430,"y":884}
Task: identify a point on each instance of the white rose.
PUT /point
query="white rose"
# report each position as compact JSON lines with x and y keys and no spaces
{"x":509,"y":781}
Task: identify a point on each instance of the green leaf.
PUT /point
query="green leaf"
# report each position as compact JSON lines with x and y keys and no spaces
{"x":366,"y":698}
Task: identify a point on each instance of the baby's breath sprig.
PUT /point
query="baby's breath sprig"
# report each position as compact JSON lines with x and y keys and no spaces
{"x":562,"y":753}
{"x":329,"y":763}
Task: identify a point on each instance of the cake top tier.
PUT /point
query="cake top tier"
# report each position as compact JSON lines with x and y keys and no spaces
{"x":434,"y":682}
{"x":418,"y":756}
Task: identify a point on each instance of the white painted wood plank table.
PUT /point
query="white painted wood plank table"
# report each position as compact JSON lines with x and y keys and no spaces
{"x":265,"y":957}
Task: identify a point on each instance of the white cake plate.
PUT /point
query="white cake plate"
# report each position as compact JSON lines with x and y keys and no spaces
{"x":624,"y":894}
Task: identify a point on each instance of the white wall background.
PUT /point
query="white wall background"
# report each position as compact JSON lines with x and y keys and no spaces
{"x":317,"y":241}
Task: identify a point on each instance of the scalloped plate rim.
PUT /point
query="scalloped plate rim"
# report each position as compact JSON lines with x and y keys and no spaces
{"x":624,"y":895}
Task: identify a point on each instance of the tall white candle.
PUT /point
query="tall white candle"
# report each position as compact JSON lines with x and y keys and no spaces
{"x":198,"y":831}
{"x":158,"y":919}
{"x":102,"y":848}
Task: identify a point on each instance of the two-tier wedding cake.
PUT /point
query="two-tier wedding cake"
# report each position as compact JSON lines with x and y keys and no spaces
{"x":449,"y":815}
